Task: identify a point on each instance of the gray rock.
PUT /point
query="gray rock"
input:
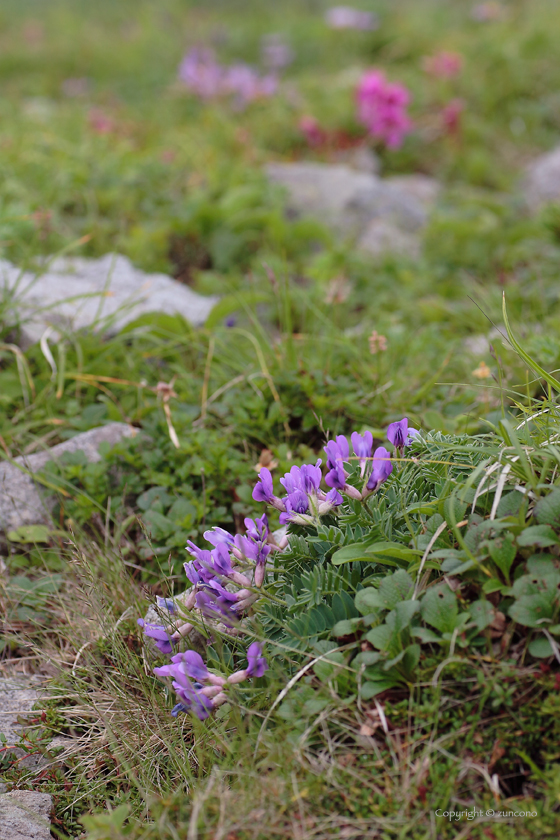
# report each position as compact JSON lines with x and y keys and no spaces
{"x":25,"y":815}
{"x":17,"y":697}
{"x":24,"y":501}
{"x":361,"y":158}
{"x":360,"y":205}
{"x":105,"y":294}
{"x":541,"y":184}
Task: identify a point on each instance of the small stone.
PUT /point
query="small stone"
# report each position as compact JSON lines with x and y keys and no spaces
{"x":25,"y":502}
{"x":25,"y":815}
{"x":107,"y":293}
{"x":541,"y":184}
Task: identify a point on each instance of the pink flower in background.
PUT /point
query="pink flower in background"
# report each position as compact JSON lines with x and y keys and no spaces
{"x":443,"y":65}
{"x":312,"y":131}
{"x":345,"y":17}
{"x":100,"y":122}
{"x":201,"y":74}
{"x":451,"y":116}
{"x":484,"y":12}
{"x":382,"y":108}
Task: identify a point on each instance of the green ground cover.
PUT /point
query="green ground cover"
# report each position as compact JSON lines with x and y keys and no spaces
{"x":125,"y":161}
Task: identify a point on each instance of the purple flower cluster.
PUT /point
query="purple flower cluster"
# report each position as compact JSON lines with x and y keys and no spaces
{"x":200,"y":691}
{"x":382,"y":108}
{"x":305,"y":502}
{"x":209,"y":570}
{"x":338,"y":451}
{"x":206,"y":78}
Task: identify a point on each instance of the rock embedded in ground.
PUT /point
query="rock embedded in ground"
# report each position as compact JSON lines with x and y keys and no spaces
{"x":105,"y":294}
{"x":361,"y":158}
{"x":541,"y":184}
{"x":381,"y":214}
{"x":18,"y":695}
{"x":23,"y":501}
{"x":25,"y":815}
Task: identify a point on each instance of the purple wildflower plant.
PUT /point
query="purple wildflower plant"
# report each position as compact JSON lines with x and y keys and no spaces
{"x":199,"y":690}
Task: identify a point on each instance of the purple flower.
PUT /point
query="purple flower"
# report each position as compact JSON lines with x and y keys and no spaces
{"x":363,"y":447}
{"x":194,"y":666}
{"x":217,"y":607}
{"x":192,"y":572}
{"x":345,"y":17}
{"x":221,"y":561}
{"x":332,"y":499}
{"x":399,"y":434}
{"x":257,"y":529}
{"x":337,"y":450}
{"x":382,"y":468}
{"x":166,"y":604}
{"x":158,"y":633}
{"x":257,"y":664}
{"x":263,"y":490}
{"x":181,"y":667}
{"x":246,"y":84}
{"x":297,"y":503}
{"x":201,"y":74}
{"x":305,"y":479}
{"x":382,"y":108}
{"x":336,"y":477}
{"x":217,"y":536}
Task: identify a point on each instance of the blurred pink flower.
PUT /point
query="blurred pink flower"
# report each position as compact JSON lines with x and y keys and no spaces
{"x":345,"y":17}
{"x":444,"y":65}
{"x":484,"y":12}
{"x":382,"y":108}
{"x":451,"y":116}
{"x":312,"y":131}
{"x":100,"y":122}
